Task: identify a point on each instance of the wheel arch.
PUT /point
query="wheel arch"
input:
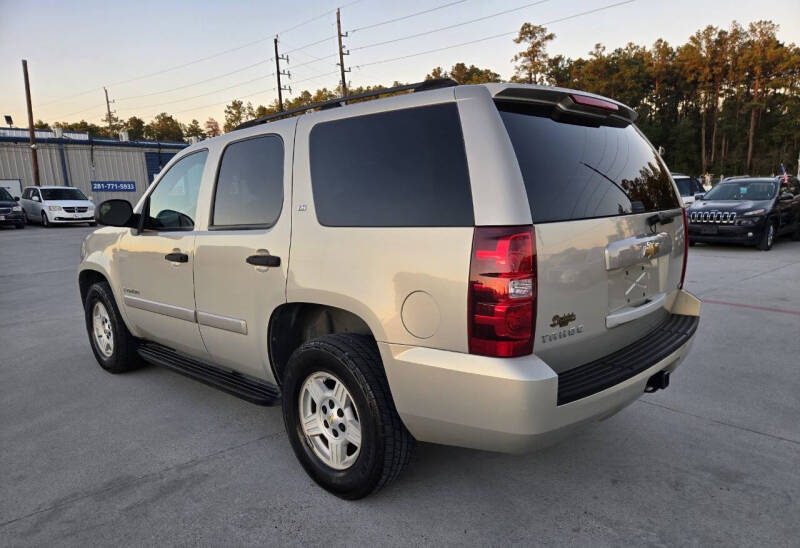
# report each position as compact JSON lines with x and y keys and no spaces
{"x":294,"y":323}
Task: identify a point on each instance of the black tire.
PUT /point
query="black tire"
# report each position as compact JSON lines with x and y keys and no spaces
{"x":92,"y":224}
{"x":691,"y":243}
{"x":19,"y":226}
{"x":45,"y":220}
{"x":123,"y":357}
{"x":768,"y":237}
{"x":386,"y":445}
{"x":796,"y":233}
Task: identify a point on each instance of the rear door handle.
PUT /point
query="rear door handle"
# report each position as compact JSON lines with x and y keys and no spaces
{"x":264,"y":260}
{"x":177,"y":257}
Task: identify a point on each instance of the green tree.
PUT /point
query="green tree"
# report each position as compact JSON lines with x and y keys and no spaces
{"x":194,"y":130}
{"x":135,"y":128}
{"x":164,"y":128}
{"x":464,"y":74}
{"x":532,"y":60}
{"x":40,"y":124}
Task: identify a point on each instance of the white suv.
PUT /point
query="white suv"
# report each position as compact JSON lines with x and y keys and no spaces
{"x":485,"y":266}
{"x":51,"y":205}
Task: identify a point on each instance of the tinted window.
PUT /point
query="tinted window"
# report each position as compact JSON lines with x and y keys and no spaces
{"x":250,"y":183}
{"x":580,"y":172}
{"x":684,"y":185}
{"x":173,"y":203}
{"x":62,"y":194}
{"x":398,"y":168}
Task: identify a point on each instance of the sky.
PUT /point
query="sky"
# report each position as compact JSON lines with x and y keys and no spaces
{"x":190,"y":58}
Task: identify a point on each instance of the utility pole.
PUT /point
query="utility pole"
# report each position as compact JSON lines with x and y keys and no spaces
{"x":279,"y":73}
{"x":342,"y":53}
{"x":108,"y":109}
{"x":31,"y":132}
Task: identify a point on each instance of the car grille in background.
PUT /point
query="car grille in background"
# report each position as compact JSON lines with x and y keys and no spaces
{"x":75,"y":209}
{"x":723,"y":217}
{"x":623,"y":364}
{"x":4,"y":210}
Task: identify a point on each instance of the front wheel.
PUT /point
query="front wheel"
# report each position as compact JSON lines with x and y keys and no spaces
{"x":112,"y":344}
{"x":45,"y":220}
{"x":21,"y":225}
{"x":768,"y":238}
{"x":340,"y":417}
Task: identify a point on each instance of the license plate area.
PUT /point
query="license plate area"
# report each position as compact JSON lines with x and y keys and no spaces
{"x":709,"y":230}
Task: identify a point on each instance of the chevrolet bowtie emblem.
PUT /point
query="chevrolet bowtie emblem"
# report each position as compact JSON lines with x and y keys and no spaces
{"x":650,"y":250}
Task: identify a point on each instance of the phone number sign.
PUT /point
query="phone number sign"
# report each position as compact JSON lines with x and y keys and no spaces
{"x":113,"y":186}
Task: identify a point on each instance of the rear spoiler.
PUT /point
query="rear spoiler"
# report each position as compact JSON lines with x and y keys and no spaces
{"x":565,"y":106}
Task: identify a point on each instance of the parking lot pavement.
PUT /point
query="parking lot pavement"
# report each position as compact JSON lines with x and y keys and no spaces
{"x":154,"y":458}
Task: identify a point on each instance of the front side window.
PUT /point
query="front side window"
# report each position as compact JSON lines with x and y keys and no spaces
{"x":398,"y":168}
{"x":173,"y":203}
{"x":62,"y":194}
{"x":4,"y":195}
{"x":250,"y":183}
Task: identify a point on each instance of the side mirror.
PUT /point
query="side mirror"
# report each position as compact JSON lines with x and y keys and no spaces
{"x":115,"y":213}
{"x":699,"y":196}
{"x":16,"y":198}
{"x":36,"y":199}
{"x":786,"y":196}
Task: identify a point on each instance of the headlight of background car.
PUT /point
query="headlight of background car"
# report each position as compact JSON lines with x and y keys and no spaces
{"x":754,"y":212}
{"x":16,"y":208}
{"x":54,"y":208}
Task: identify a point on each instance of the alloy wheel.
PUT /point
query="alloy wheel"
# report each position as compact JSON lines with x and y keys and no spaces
{"x":102,"y":330}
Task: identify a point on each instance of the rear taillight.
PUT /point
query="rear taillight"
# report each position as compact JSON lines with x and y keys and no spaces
{"x":594,"y":102}
{"x":502,"y":291}
{"x":685,"y":246}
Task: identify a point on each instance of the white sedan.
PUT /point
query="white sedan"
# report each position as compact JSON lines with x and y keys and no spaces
{"x":51,"y":205}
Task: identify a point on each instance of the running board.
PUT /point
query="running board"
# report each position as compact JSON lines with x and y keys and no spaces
{"x":238,"y":384}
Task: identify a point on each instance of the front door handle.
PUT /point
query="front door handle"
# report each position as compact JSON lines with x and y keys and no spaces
{"x":177,"y":257}
{"x":264,"y":260}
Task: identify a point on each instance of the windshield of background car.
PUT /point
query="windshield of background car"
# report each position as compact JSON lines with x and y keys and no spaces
{"x":743,"y":190}
{"x":5,"y":196}
{"x":684,"y":185}
{"x":581,"y":172}
{"x":62,"y":194}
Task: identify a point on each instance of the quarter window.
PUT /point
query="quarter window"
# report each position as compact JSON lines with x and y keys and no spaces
{"x":250,"y":183}
{"x":173,"y":203}
{"x":398,"y":168}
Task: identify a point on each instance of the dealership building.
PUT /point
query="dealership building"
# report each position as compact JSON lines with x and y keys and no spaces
{"x":101,"y":168}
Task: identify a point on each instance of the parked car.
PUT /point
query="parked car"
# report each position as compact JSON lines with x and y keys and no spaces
{"x":688,"y":187}
{"x":747,"y":210}
{"x":10,"y":210}
{"x":51,"y":205}
{"x":484,"y":266}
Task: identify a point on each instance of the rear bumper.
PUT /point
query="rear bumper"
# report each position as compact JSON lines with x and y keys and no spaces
{"x":511,"y":404}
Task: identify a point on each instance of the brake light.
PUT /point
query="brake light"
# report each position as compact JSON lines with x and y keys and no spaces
{"x":502,"y":291}
{"x":594,"y":102}
{"x":685,"y":246}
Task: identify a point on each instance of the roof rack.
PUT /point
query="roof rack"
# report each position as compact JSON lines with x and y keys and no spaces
{"x":434,"y":83}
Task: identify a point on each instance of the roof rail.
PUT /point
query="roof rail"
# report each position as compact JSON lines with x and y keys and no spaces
{"x":434,"y":83}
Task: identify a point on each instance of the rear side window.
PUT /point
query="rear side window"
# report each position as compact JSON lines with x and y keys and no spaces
{"x":250,"y":183}
{"x":580,"y":172}
{"x":398,"y":168}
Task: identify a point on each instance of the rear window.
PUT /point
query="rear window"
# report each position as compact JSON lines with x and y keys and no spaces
{"x":398,"y":168}
{"x":684,"y":185}
{"x":580,"y":172}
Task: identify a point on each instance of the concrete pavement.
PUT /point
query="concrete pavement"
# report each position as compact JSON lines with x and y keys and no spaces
{"x":88,"y":458}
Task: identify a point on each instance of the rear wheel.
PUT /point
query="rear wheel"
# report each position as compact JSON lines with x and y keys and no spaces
{"x":768,"y":237}
{"x":45,"y":220}
{"x":112,"y":344}
{"x":340,"y":417}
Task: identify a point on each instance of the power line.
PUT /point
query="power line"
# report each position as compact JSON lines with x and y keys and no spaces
{"x":448,"y":27}
{"x":404,"y":17}
{"x":211,"y":79}
{"x":195,"y":61}
{"x":485,"y":38}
